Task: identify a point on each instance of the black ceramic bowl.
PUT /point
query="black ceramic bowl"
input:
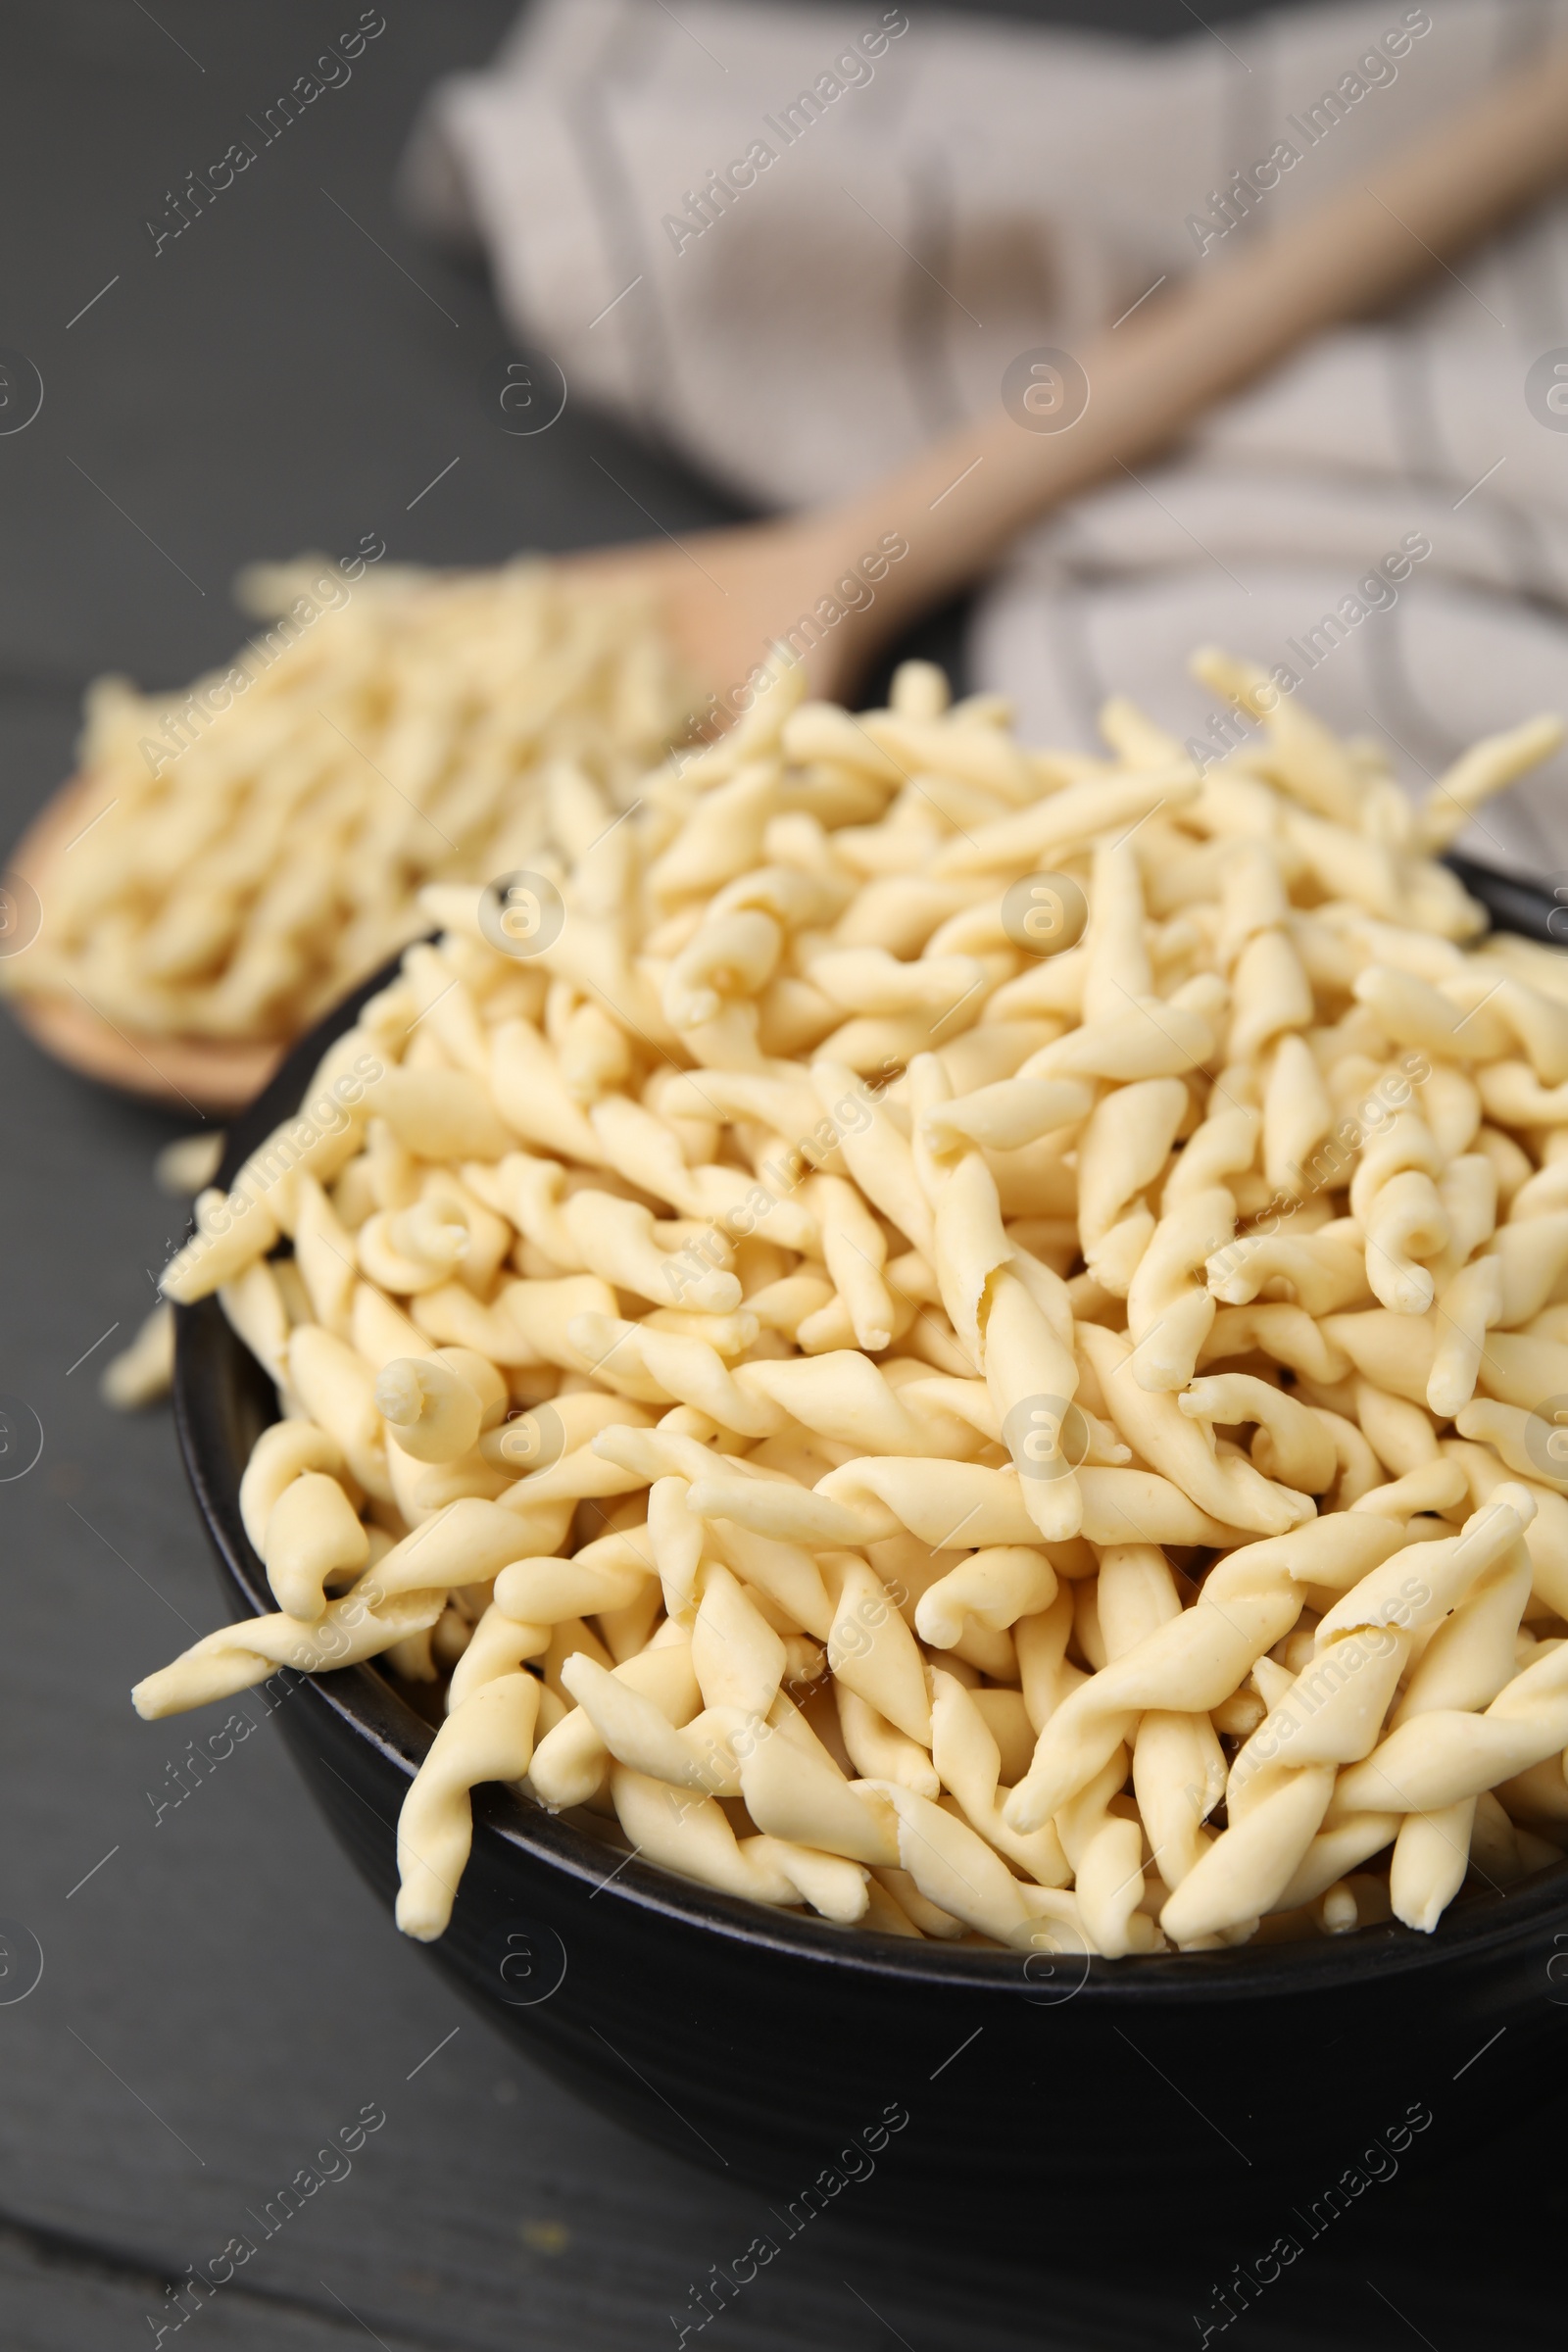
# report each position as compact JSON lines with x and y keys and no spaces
{"x":764,"y":2040}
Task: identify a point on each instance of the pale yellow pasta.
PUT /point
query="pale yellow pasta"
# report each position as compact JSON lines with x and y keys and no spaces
{"x":487,"y":1737}
{"x":1330,"y":1715}
{"x":1467,"y":1662}
{"x":141,"y":1373}
{"x":1057,"y":1449}
{"x":259,"y":841}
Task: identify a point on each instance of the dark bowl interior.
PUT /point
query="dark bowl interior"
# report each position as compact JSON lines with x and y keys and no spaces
{"x":757,"y":2040}
{"x":1513,"y":902}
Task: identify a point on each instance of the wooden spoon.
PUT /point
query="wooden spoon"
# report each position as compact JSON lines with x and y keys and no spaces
{"x":728,"y":597}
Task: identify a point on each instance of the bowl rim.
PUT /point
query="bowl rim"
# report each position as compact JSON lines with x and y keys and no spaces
{"x":367,"y":1705}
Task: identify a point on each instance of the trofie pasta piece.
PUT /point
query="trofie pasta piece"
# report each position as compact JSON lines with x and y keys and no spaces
{"x":875,"y":1415}
{"x":488,"y":1736}
{"x":141,"y":1373}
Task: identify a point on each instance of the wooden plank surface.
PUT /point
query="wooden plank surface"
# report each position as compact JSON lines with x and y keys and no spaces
{"x":219,"y":1993}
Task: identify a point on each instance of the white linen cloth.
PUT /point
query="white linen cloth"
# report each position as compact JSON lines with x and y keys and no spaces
{"x":960,"y":190}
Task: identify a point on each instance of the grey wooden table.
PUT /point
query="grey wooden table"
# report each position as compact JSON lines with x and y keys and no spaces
{"x":219,"y":1994}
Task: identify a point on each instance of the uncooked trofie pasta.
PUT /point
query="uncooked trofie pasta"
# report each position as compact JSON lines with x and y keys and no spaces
{"x":251,"y":848}
{"x":966,"y":1338}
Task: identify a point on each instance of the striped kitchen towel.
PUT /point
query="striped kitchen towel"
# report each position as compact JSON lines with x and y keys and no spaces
{"x":792,"y":243}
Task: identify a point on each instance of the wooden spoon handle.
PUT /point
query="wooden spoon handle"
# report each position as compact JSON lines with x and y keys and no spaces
{"x":963,"y":500}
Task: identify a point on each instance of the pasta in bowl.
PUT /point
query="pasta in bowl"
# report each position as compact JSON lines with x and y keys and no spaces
{"x":922,"y":1343}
